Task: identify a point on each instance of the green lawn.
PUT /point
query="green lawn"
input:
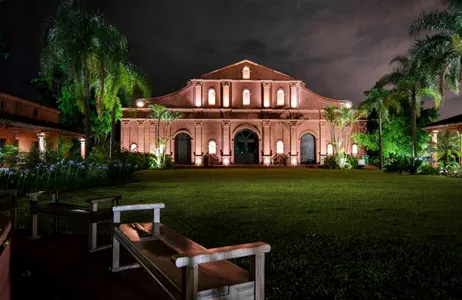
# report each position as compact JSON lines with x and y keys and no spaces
{"x":334,"y":234}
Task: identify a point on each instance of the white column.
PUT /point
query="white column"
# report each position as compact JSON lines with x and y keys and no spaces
{"x":198,"y":93}
{"x":226,"y":85}
{"x":266,"y":94}
{"x":198,"y":142}
{"x":82,"y":147}
{"x":293,"y":143}
{"x":226,"y":155}
{"x":435,"y":148}
{"x":266,"y":142}
{"x":294,"y":94}
{"x":42,"y":145}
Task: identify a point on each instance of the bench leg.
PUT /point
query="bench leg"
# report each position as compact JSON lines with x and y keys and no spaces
{"x":14,"y":218}
{"x":189,"y":279}
{"x":115,"y":254}
{"x":257,"y":273}
{"x":34,"y":226}
{"x":56,"y":228}
{"x":92,"y":236}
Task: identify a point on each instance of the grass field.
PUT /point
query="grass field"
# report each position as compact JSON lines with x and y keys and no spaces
{"x":334,"y":234}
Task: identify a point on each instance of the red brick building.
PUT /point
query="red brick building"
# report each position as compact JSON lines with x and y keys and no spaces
{"x":244,"y":113}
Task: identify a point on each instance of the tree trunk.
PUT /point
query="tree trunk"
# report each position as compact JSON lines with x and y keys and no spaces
{"x":113,"y":125}
{"x":380,"y":142}
{"x":87,"y":113}
{"x":414,"y":128}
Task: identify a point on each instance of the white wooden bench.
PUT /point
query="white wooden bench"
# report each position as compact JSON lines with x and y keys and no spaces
{"x":183,"y":268}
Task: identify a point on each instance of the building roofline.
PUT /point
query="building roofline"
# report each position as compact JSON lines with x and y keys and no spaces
{"x":18,"y":99}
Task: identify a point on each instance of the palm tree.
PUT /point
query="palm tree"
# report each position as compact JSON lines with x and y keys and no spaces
{"x":442,"y":50}
{"x":330,"y":113}
{"x":119,"y":89}
{"x":85,"y":49}
{"x":162,"y":114}
{"x":379,"y":101}
{"x":448,"y":146}
{"x":411,"y":81}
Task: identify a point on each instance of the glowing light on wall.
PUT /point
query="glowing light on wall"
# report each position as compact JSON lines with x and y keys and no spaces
{"x":226,"y":161}
{"x":354,"y":149}
{"x":293,"y":161}
{"x":267,"y":161}
{"x":140,"y":103}
{"x":348,"y":104}
{"x":280,"y":96}
{"x":246,"y":97}
{"x":212,"y":147}
{"x":293,"y":96}
{"x":211,"y":96}
{"x":133,"y":147}
{"x":330,"y":149}
{"x":245,"y":73}
{"x":280,"y":147}
{"x":198,"y":161}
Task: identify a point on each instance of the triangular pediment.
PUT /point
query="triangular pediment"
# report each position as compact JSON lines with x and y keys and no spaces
{"x":257,"y":72}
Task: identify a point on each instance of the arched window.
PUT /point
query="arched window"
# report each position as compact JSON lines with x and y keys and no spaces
{"x":330,"y":149}
{"x":212,"y":147}
{"x":211,"y":96}
{"x":133,"y":147}
{"x":246,"y":97}
{"x":280,"y":94}
{"x":280,"y":147}
{"x":354,"y":149}
{"x":245,"y":73}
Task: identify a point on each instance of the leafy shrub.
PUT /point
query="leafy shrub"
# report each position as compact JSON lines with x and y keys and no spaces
{"x":427,"y":169}
{"x":8,"y":155}
{"x":351,"y":162}
{"x":331,"y":162}
{"x":454,"y":170}
{"x":164,"y":162}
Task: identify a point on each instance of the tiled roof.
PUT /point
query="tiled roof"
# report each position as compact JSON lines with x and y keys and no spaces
{"x":456,"y":120}
{"x":22,"y":121}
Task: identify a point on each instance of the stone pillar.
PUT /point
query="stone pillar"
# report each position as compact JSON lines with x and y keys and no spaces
{"x":147,"y":144}
{"x":226,"y":96}
{"x":82,"y":147}
{"x":42,"y":145}
{"x":198,"y":143}
{"x":294,"y":94}
{"x":168,"y":134}
{"x":198,"y":93}
{"x":293,"y":143}
{"x":266,"y":142}
{"x":435,"y":149}
{"x":152,"y":134}
{"x":125,"y":135}
{"x":226,"y":153}
{"x":266,"y":94}
{"x":140,"y":134}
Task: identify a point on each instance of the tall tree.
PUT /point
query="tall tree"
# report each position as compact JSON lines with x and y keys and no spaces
{"x":85,"y":49}
{"x":378,"y":102}
{"x":411,"y":81}
{"x":330,"y":113}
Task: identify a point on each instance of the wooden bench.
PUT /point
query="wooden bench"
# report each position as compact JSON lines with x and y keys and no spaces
{"x":91,"y":214}
{"x":182,"y":267}
{"x":9,"y":203}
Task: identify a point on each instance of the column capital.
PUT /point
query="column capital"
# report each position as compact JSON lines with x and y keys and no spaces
{"x":41,"y":135}
{"x":225,"y":123}
{"x":152,"y":123}
{"x":226,"y":82}
{"x":266,"y":84}
{"x":140,"y":123}
{"x":295,"y":83}
{"x":267,"y":123}
{"x":125,"y":123}
{"x":198,"y":123}
{"x":197,"y":82}
{"x":293,"y":124}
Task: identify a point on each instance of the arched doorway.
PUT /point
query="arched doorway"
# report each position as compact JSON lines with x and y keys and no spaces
{"x":307,"y":149}
{"x":246,"y":147}
{"x":182,"y":149}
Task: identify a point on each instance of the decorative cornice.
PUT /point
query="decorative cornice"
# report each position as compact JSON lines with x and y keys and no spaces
{"x":125,"y":123}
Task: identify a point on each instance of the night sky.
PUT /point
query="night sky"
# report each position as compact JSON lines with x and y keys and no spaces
{"x":339,"y":48}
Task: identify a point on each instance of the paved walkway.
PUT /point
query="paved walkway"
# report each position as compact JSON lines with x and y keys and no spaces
{"x":59,"y":267}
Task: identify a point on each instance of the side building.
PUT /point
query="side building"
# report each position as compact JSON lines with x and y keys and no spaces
{"x":244,"y":113}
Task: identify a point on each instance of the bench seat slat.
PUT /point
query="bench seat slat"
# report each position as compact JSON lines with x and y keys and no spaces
{"x":71,"y":211}
{"x":167,"y":243}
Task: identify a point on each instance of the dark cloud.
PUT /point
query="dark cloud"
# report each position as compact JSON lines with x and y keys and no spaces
{"x":338,"y":48}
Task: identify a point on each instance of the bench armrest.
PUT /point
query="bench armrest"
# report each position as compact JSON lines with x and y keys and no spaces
{"x":217,"y":254}
{"x":104,"y":199}
{"x":34,"y":196}
{"x":138,"y":207}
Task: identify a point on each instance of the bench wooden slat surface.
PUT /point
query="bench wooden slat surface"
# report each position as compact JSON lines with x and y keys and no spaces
{"x":214,"y":275}
{"x":71,"y":211}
